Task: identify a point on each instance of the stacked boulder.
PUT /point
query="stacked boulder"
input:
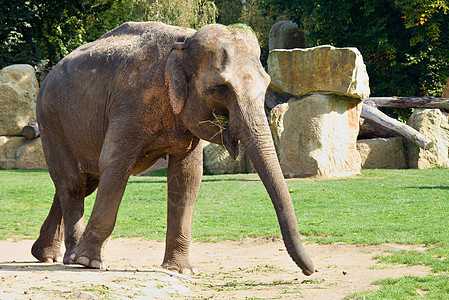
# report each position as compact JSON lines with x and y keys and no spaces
{"x":321,"y":122}
{"x":18,"y":90}
{"x":382,"y":153}
{"x":434,"y":124}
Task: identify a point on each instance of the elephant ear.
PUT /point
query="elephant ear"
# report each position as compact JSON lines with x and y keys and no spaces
{"x":176,"y":78}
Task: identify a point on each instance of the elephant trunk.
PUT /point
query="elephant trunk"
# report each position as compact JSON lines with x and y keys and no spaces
{"x":257,"y":140}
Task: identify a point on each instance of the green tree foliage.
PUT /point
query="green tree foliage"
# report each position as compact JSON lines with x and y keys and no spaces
{"x":251,"y":13}
{"x":32,"y":30}
{"x":35,"y":30}
{"x":186,"y":13}
{"x":405,"y":43}
{"x":229,"y":11}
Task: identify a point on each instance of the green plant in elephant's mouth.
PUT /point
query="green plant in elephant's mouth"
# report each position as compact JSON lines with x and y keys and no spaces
{"x":221,"y":121}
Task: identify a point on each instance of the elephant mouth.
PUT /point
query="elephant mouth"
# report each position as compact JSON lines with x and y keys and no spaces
{"x":231,"y":143}
{"x":222,"y":134}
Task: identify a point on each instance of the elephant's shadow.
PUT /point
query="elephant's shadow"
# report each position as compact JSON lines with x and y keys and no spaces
{"x":35,"y":266}
{"x":255,"y":178}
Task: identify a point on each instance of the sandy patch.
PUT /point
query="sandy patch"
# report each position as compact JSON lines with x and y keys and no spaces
{"x":250,"y":268}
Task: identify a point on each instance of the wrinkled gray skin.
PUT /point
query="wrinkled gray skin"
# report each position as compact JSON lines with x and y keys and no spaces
{"x":143,"y":91}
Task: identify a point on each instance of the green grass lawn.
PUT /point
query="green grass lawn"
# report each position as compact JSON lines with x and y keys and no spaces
{"x":381,"y":206}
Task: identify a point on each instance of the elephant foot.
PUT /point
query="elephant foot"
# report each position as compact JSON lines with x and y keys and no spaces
{"x":86,"y":255}
{"x":47,"y":253}
{"x":85,"y":258}
{"x":182,"y":268}
{"x":89,"y":262}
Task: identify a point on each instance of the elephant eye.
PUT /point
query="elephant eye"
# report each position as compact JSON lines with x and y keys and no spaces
{"x":217,"y":90}
{"x":221,"y":88}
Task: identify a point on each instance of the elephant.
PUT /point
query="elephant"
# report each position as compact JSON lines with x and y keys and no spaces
{"x":143,"y":91}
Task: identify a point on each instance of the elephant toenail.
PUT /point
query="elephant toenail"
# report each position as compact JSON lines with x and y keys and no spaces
{"x":83,"y":261}
{"x":187,"y":272}
{"x":96,"y":265}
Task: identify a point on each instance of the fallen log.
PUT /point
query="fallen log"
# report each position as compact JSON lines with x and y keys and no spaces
{"x":409,"y":102}
{"x":30,"y":131}
{"x":370,"y":112}
{"x":369,"y":129}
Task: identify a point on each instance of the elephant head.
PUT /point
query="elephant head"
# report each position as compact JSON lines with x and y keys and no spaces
{"x":217,"y":87}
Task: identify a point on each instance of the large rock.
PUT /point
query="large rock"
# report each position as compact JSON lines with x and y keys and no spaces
{"x":382,"y":153}
{"x":434,"y":124}
{"x":323,"y":69}
{"x":285,"y":35}
{"x":20,"y":153}
{"x":276,"y":122}
{"x":319,"y":137}
{"x":18,"y":90}
{"x":216,"y":160}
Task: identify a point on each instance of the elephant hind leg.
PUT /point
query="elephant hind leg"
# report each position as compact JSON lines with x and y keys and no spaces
{"x":91,"y":185}
{"x":65,"y":221}
{"x":47,"y":247}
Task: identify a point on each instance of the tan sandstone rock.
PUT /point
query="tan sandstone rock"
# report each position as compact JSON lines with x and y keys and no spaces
{"x":20,"y":153}
{"x":216,"y":160}
{"x":319,"y":137}
{"x":382,"y":153}
{"x":276,"y":122}
{"x":434,"y":124}
{"x":285,"y":35}
{"x":323,"y":69}
{"x":18,"y":90}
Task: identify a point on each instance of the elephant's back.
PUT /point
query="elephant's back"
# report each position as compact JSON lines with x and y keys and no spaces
{"x":133,"y":38}
{"x":100,"y":66}
{"x":78,"y":96}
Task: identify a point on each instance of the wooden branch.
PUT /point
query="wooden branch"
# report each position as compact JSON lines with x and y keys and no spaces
{"x":372,"y":113}
{"x":369,"y":129}
{"x":31,"y":131}
{"x":409,"y":102}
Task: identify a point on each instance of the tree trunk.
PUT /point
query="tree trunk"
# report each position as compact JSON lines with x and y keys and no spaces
{"x":409,"y":102}
{"x":31,"y":131}
{"x":372,"y":113}
{"x":370,"y":129}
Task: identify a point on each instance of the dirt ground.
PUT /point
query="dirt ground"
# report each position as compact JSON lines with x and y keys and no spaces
{"x":253,"y":268}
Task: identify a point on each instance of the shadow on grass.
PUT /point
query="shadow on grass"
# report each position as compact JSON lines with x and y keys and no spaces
{"x":206,"y":178}
{"x":438,"y":187}
{"x":27,"y":171}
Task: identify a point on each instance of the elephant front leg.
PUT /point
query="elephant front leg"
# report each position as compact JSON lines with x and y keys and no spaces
{"x":89,"y":251}
{"x":183,"y":178}
{"x":115,"y":168}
